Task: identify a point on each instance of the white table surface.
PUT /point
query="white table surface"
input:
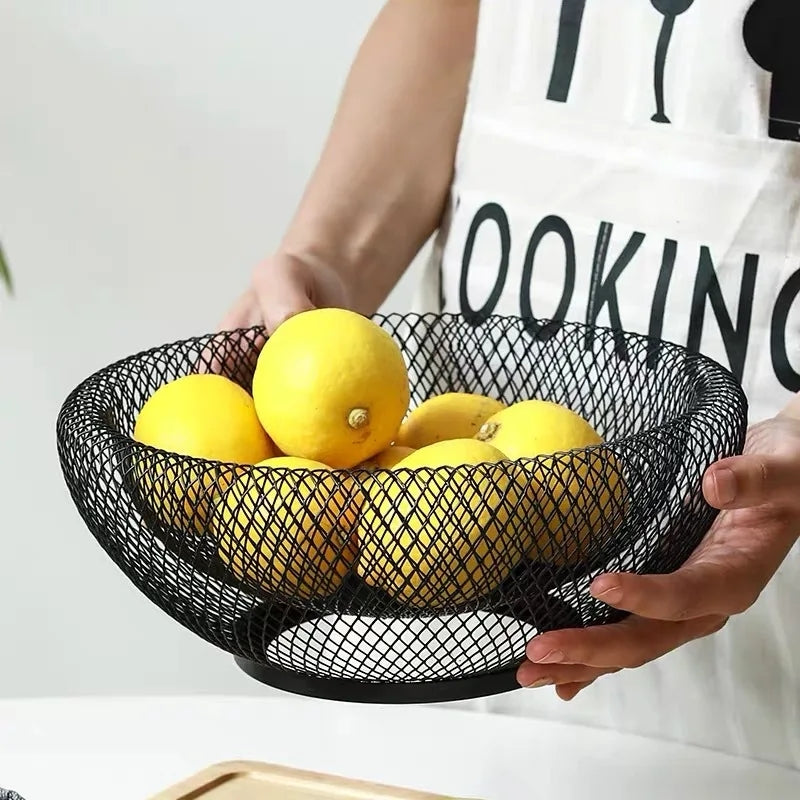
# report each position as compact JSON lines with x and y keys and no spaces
{"x":131,"y":748}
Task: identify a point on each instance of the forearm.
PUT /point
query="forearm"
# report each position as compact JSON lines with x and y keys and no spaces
{"x":380,"y":186}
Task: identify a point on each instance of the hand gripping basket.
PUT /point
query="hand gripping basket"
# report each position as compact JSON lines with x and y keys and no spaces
{"x":404,"y":613}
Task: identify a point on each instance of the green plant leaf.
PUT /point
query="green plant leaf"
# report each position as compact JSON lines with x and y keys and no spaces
{"x":5,"y":272}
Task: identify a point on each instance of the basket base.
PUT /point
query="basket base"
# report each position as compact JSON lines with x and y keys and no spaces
{"x":353,"y":691}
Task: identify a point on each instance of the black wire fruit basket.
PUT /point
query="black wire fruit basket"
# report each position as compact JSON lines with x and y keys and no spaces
{"x":403,"y":585}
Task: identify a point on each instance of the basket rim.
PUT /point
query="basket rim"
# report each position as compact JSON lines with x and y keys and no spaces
{"x":94,"y":421}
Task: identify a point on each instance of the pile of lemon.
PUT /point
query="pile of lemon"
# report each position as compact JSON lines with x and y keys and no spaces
{"x":432,"y":506}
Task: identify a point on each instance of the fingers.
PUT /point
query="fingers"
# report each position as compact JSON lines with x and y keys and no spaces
{"x":233,"y":356}
{"x":675,"y":597}
{"x":282,"y":286}
{"x":534,"y":676}
{"x":568,"y":691}
{"x":281,"y":293}
{"x":696,"y":590}
{"x":631,"y":643}
{"x":753,"y":480}
{"x":243,"y":313}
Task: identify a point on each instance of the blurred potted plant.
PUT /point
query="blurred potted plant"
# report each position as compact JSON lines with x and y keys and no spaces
{"x":5,"y":272}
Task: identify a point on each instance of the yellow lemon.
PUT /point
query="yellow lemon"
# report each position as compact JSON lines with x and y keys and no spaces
{"x":455,"y":415}
{"x":451,"y":453}
{"x":433,"y":537}
{"x":206,"y":417}
{"x":579,"y":496}
{"x":388,"y":458}
{"x":289,"y":530}
{"x":332,"y":386}
{"x":537,"y":427}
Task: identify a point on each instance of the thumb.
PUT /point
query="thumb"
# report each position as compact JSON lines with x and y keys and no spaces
{"x":752,"y":480}
{"x":280,"y":296}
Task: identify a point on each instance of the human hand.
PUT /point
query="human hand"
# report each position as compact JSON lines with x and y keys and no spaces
{"x":280,"y":287}
{"x":284,"y":285}
{"x":758,"y":494}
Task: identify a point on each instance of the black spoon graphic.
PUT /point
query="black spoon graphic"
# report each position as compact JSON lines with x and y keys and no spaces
{"x":569,"y":32}
{"x":671,"y":9}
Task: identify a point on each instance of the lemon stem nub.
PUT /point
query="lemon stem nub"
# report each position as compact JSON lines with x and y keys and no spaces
{"x":488,"y":431}
{"x":358,"y":418}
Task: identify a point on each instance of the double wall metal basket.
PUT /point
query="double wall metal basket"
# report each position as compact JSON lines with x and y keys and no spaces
{"x":411,"y":585}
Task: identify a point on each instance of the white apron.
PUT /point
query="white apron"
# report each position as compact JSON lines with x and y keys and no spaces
{"x":658,"y":165}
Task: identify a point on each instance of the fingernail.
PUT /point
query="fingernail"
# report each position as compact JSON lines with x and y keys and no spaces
{"x":553,"y":657}
{"x":610,"y":594}
{"x":725,"y":484}
{"x":540,"y":683}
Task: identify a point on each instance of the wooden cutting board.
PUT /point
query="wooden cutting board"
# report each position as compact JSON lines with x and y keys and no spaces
{"x":250,"y":780}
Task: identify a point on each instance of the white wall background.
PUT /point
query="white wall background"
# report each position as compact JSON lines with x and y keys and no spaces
{"x":150,"y":153}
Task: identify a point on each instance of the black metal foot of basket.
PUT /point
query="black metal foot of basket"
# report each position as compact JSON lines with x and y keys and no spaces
{"x":256,"y":631}
{"x":353,"y":691}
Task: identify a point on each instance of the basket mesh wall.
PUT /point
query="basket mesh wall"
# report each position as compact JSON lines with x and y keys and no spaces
{"x":410,"y":577}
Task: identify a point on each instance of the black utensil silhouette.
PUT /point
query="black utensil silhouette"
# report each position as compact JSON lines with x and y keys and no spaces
{"x":569,"y":32}
{"x":671,"y":9}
